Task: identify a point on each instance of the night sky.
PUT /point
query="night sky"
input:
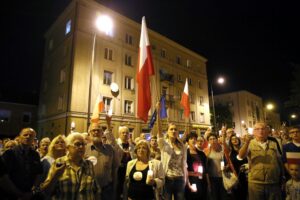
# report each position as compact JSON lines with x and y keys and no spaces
{"x":254,"y":44}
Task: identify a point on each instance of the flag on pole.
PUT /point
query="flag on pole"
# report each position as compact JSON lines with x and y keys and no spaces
{"x":98,"y":108}
{"x":153,"y":119}
{"x":145,"y":70}
{"x":185,"y":103}
{"x":163,"y":110}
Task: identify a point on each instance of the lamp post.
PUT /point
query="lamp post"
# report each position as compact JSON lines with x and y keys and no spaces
{"x":105,"y":25}
{"x":220,"y":81}
{"x":269,"y":107}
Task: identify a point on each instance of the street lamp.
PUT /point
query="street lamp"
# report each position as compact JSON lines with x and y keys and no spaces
{"x":220,"y":81}
{"x":269,"y":107}
{"x":103,"y":24}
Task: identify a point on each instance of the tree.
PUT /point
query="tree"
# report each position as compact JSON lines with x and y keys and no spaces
{"x":223,"y":116}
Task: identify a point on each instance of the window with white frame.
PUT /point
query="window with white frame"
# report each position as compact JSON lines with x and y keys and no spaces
{"x":26,"y":118}
{"x":128,"y":60}
{"x":129,"y":83}
{"x":107,"y":103}
{"x":62,"y":76}
{"x":128,"y":39}
{"x":107,"y":77}
{"x":202,"y":119}
{"x":68,"y":27}
{"x":108,"y":54}
{"x":201,"y":100}
{"x":192,"y":115}
{"x":128,"y":107}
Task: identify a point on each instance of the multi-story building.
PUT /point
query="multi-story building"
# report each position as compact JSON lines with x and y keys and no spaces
{"x":15,"y":116}
{"x":75,"y":49}
{"x":245,"y":107}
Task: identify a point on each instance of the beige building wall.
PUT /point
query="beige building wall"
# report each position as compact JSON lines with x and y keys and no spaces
{"x":67,"y":65}
{"x":246,"y":108}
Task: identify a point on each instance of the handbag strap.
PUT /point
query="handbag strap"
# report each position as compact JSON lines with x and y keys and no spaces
{"x":227,"y":157}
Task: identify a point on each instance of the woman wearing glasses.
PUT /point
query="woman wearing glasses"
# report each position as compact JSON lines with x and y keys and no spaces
{"x":72,"y":177}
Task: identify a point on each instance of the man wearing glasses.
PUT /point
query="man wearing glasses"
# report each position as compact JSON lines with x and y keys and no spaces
{"x":265,"y":166}
{"x":105,"y":162}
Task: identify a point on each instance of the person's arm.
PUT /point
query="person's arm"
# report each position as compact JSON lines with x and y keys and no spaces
{"x":244,"y":150}
{"x":159,"y":130}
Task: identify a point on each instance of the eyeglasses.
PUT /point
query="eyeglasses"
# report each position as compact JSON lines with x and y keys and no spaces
{"x":78,"y":144}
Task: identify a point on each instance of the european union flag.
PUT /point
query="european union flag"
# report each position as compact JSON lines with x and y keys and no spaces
{"x":163,"y":110}
{"x":152,"y":120}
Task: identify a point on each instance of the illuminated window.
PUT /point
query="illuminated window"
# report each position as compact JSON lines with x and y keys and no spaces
{"x":108,"y":54}
{"x":68,"y":27}
{"x":107,"y":79}
{"x":128,"y":107}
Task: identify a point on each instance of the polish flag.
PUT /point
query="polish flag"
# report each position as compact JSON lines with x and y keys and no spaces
{"x":98,"y":108}
{"x":185,"y":103}
{"x":145,"y":70}
{"x":293,"y":157}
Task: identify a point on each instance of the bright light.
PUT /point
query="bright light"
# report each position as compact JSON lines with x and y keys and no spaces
{"x":221,"y":80}
{"x":270,"y":106}
{"x":293,"y":116}
{"x":243,"y":122}
{"x":114,"y":87}
{"x":105,"y":24}
{"x":72,"y":124}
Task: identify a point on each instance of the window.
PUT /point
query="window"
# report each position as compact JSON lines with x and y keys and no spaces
{"x":128,"y":39}
{"x":108,"y":54}
{"x":201,"y":100}
{"x":178,"y":60}
{"x":180,"y":114}
{"x":192,"y":115}
{"x":128,"y":107}
{"x":202,"y":119}
{"x":5,"y":116}
{"x":107,"y":79}
{"x":163,"y":53}
{"x":200,"y":85}
{"x":128,"y":60}
{"x":26,"y":117}
{"x":188,"y":63}
{"x":107,"y":103}
{"x":129,"y":83}
{"x":179,"y":77}
{"x":192,"y":98}
{"x":60,"y":103}
{"x":68,"y":27}
{"x":62,"y":76}
{"x":190,"y":81}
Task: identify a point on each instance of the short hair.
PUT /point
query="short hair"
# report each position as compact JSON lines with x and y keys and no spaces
{"x":142,"y":142}
{"x":153,"y":137}
{"x":28,"y":129}
{"x":70,"y":138}
{"x":191,"y":135}
{"x":294,"y":127}
{"x":123,"y":127}
{"x":212,"y":135}
{"x":45,"y":139}
{"x":95,"y":126}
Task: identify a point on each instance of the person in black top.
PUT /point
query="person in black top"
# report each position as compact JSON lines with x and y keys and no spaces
{"x":197,"y":174}
{"x":23,"y":164}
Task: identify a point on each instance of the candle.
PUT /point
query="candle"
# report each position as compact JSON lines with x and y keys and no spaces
{"x":222,"y":165}
{"x":194,"y":187}
{"x":200,"y":170}
{"x":149,"y":176}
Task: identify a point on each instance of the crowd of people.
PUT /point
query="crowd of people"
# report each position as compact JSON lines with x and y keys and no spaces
{"x":99,"y":166}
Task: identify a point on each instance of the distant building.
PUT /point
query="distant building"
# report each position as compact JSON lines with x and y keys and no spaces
{"x":15,"y":116}
{"x":273,"y":119}
{"x":245,"y":107}
{"x":65,"y":90}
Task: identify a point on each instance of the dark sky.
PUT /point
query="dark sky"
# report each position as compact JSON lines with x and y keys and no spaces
{"x":252,"y":43}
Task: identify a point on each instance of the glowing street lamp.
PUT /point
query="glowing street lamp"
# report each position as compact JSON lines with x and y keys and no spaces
{"x":293,"y":116}
{"x":220,"y":81}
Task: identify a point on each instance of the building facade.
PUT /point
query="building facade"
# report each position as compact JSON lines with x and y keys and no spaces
{"x":15,"y":116}
{"x":81,"y":62}
{"x":246,"y":108}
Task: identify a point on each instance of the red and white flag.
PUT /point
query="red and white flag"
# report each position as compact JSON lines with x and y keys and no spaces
{"x":98,"y":108}
{"x":145,"y":70}
{"x":185,"y":103}
{"x":293,"y":157}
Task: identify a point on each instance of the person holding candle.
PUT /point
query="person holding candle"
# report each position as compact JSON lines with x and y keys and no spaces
{"x":144,"y":177}
{"x":197,"y":170}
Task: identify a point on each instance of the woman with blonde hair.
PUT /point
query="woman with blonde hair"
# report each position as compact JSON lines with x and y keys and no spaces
{"x":56,"y":149}
{"x":144,"y":177}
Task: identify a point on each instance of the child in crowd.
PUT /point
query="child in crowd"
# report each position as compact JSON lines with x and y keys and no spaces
{"x":293,"y":185}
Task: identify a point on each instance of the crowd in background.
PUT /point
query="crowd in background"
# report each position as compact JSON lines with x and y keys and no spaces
{"x":96,"y":165}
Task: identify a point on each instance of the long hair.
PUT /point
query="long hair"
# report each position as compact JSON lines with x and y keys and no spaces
{"x":178,"y":143}
{"x":51,"y":150}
